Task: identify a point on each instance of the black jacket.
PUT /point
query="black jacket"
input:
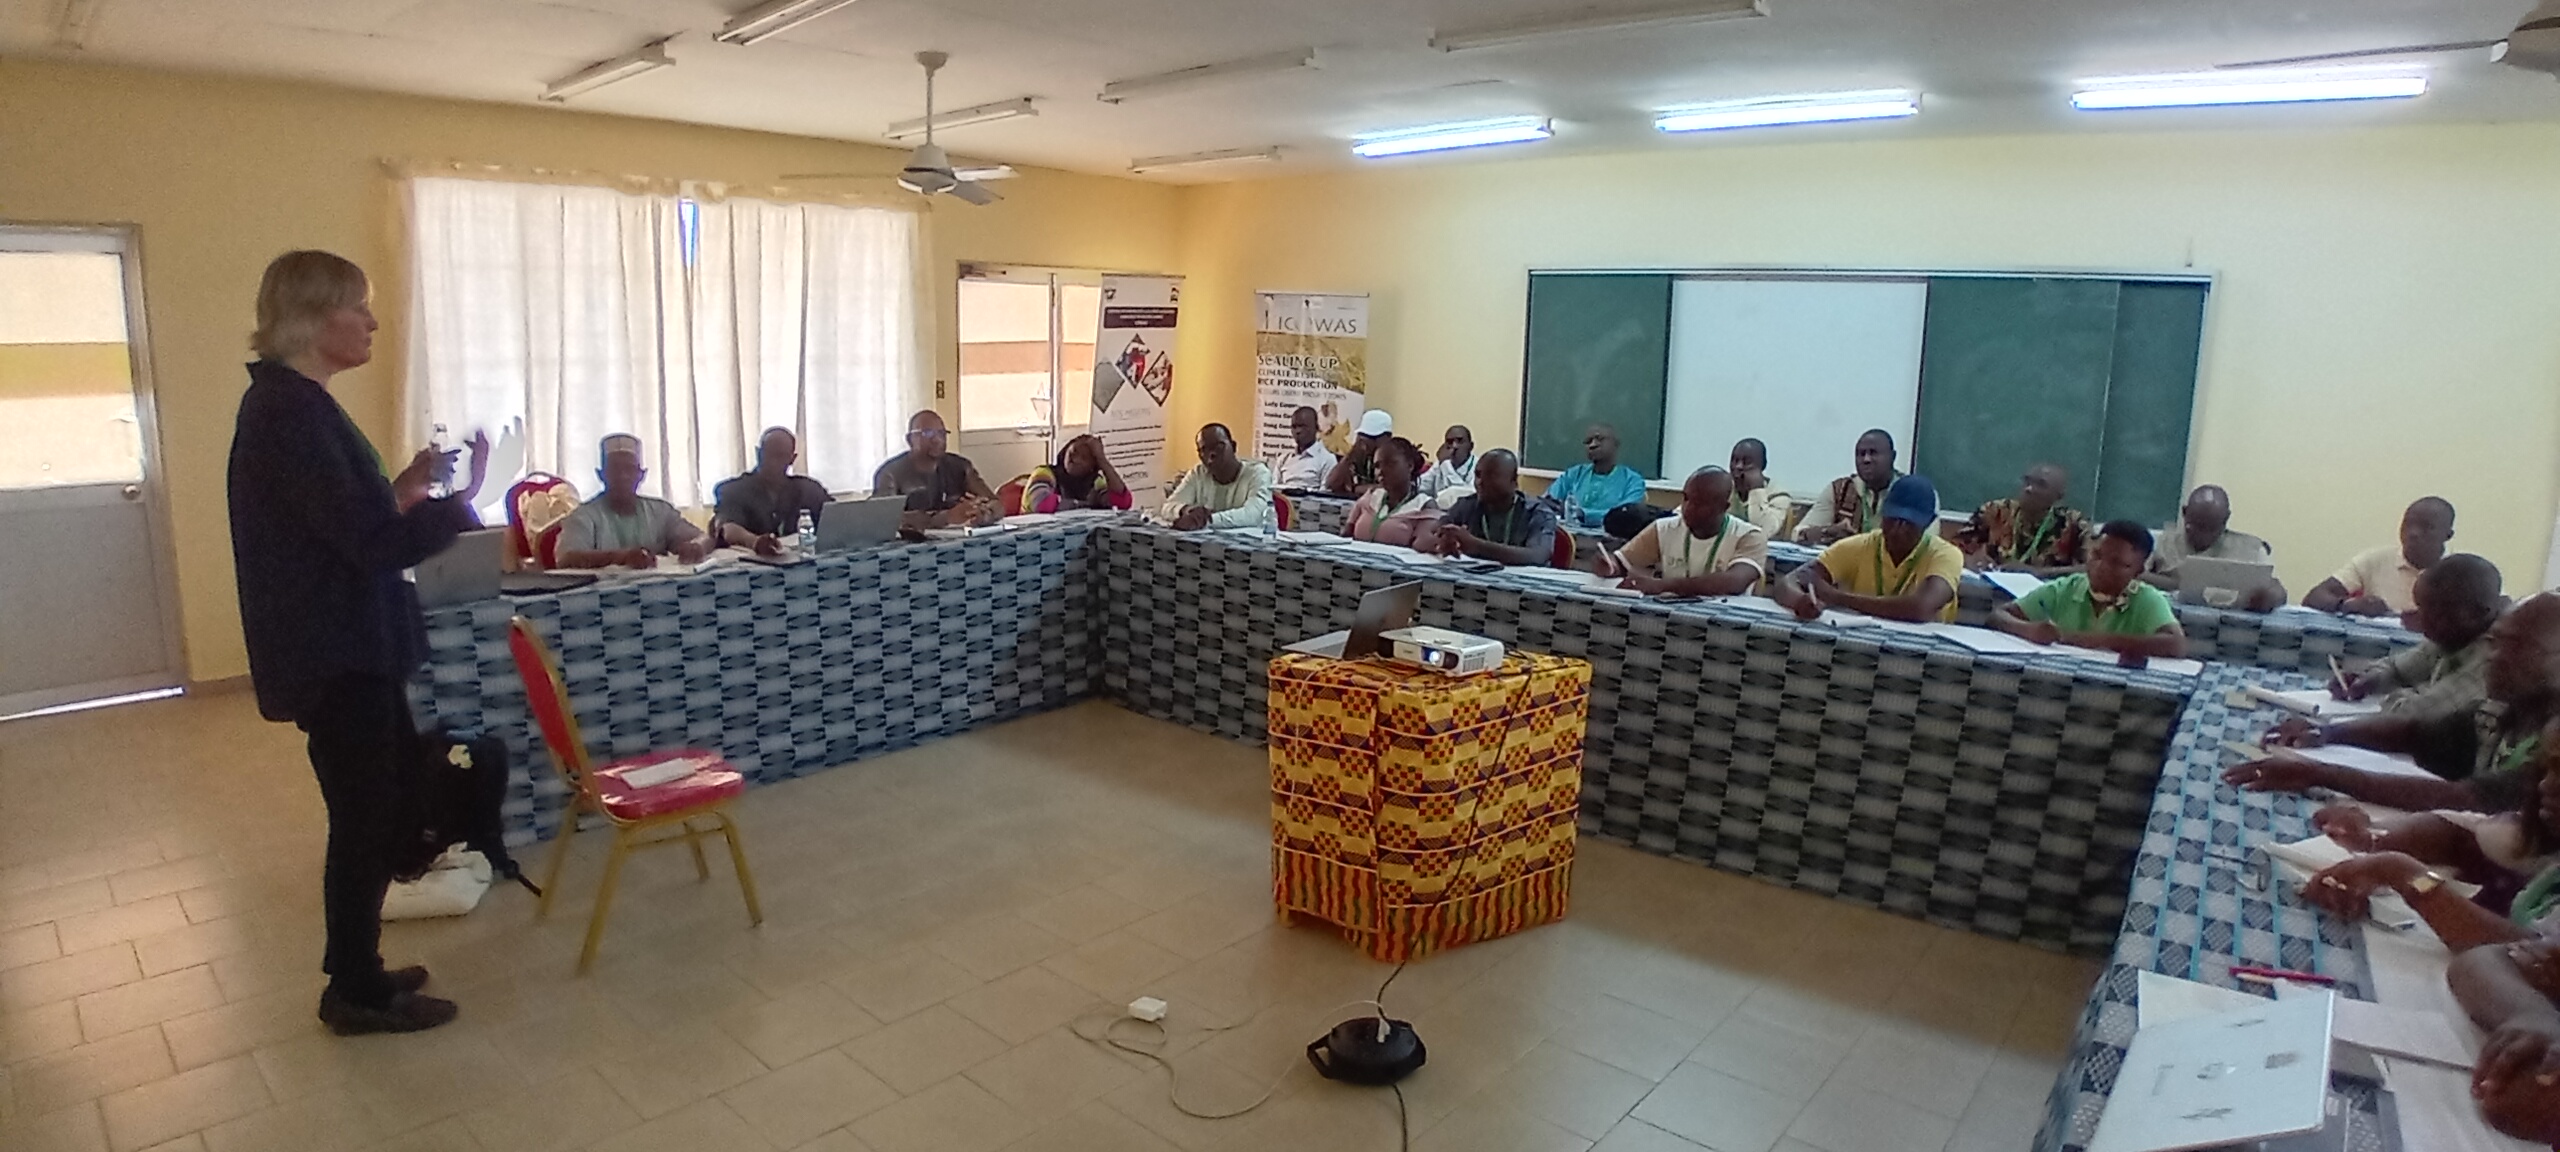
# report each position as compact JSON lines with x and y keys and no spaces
{"x":318,"y":545}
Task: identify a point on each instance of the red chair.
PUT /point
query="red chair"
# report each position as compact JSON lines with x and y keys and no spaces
{"x":633,"y":810}
{"x":1563,"y":557}
{"x":535,"y":507}
{"x":1009,"y":497}
{"x":1285,"y":511}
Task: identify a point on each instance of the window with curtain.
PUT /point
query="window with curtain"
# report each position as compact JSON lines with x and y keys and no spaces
{"x":692,"y":323}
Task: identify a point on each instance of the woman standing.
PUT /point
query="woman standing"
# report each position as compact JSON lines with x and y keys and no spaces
{"x":1395,"y":512}
{"x":319,"y":539}
{"x":1082,"y":478}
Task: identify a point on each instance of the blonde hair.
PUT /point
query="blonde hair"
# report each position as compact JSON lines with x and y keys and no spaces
{"x":297,"y":294}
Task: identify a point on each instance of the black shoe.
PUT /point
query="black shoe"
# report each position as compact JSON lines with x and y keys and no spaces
{"x":406,"y":1012}
{"x":408,"y":979}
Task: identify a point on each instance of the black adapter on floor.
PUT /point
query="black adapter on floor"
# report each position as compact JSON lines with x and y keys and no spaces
{"x":1371,"y":1050}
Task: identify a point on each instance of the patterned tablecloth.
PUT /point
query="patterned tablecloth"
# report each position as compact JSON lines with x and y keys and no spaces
{"x":2199,"y":904}
{"x":1998,"y":794}
{"x":1414,"y":811}
{"x":783,"y":670}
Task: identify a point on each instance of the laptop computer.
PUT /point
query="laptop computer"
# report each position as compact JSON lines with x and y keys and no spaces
{"x":2219,"y":583}
{"x":464,"y":572}
{"x":861,"y":523}
{"x":2223,"y":1078}
{"x":1381,"y":610}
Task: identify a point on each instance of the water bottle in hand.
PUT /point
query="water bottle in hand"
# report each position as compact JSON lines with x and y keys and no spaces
{"x":442,"y":485}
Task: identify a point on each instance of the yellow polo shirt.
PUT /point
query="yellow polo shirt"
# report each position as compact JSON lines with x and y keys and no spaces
{"x":2384,"y":574}
{"x":1858,"y":564}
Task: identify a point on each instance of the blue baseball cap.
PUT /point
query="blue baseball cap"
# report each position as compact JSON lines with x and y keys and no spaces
{"x":1913,"y":500}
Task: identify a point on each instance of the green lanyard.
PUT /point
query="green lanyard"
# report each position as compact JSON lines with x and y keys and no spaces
{"x":1510,"y":520}
{"x":2520,"y":752}
{"x":1910,"y":568}
{"x":2036,"y":544}
{"x":1712,"y":545}
{"x":1382,"y":513}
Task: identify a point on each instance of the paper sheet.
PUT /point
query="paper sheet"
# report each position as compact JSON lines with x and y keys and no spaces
{"x":2363,"y":759}
{"x":2313,"y":702}
{"x":2405,"y":1032}
{"x":2159,"y":999}
{"x":1314,"y":538}
{"x":1380,"y":551}
{"x":2436,"y":1112}
{"x":1567,"y":576}
{"x":2016,"y":584}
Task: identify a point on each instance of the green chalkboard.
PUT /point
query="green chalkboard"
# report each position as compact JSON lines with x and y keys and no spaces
{"x":2159,"y":330}
{"x":2013,"y":372}
{"x":1599,"y":351}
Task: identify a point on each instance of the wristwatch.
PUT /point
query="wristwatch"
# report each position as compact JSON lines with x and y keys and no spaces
{"x":2425,"y":882}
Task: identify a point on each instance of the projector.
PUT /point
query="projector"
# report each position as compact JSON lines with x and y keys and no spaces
{"x":1442,"y":650}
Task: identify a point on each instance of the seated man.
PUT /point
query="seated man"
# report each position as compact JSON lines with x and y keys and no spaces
{"x":756,"y":509}
{"x":622,"y":526}
{"x":2384,"y":581}
{"x":1589,"y":491}
{"x":1902,"y":571}
{"x":2490,"y":751}
{"x":1357,"y":471}
{"x":1848,"y":507}
{"x":2105,"y":607}
{"x":1307,"y":467}
{"x":2458,"y":599}
{"x":1706,"y":550}
{"x":1496,"y":522}
{"x":1453,"y":472}
{"x":941,"y":486}
{"x":2034,"y":531}
{"x":1225,"y":491}
{"x":1757,"y":498}
{"x":2204,"y":529}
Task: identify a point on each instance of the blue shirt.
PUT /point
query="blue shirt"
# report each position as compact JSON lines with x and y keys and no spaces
{"x":1588,"y":495}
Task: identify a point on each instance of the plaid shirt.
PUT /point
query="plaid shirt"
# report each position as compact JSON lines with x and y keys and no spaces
{"x":2427,"y":681}
{"x":1998,"y":531}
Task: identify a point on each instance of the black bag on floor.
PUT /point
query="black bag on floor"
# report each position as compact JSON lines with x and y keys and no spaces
{"x":462,"y":782}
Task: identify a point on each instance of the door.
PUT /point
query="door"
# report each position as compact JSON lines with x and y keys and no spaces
{"x":1026,"y":365}
{"x":87,"y":602}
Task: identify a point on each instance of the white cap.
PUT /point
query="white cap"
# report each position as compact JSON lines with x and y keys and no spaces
{"x":1376,"y":422}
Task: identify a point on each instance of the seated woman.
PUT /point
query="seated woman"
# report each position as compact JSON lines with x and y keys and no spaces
{"x":2106,"y":607}
{"x":1395,"y":512}
{"x":1082,"y":478}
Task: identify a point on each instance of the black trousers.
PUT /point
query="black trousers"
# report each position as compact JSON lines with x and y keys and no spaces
{"x":363,"y":743}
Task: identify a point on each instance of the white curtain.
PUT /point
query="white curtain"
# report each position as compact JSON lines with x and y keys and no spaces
{"x":693,"y":324}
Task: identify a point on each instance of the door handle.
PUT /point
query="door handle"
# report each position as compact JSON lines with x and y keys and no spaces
{"x":133,"y":491}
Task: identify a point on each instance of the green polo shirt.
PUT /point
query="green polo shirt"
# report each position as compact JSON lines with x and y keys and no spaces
{"x":2066,"y":603}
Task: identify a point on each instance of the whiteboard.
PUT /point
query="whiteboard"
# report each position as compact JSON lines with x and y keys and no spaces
{"x":1805,"y":365}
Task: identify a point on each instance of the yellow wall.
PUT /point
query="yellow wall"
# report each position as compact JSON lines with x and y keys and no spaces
{"x":2386,"y":322}
{"x":221,"y":174}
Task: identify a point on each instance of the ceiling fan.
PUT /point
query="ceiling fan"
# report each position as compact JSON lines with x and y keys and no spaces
{"x":929,"y":171}
{"x":2534,"y":46}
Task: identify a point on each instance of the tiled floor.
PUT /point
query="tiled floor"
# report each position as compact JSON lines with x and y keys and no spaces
{"x":939,"y":922}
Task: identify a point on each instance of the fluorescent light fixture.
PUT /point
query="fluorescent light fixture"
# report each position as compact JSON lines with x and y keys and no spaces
{"x":1221,"y":156}
{"x":1691,"y":13}
{"x":649,"y":58}
{"x":78,"y":17}
{"x":1464,"y":134}
{"x":773,"y":18}
{"x":1818,"y":109}
{"x":964,"y":117}
{"x":2192,"y":89}
{"x":1139,"y":86}
{"x":101,"y":702}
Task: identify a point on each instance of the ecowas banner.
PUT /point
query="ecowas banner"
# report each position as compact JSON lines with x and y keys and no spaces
{"x":1133,"y":378}
{"x":1310,"y":350}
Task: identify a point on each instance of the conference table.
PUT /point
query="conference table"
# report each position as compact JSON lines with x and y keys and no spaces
{"x":2054,"y":799}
